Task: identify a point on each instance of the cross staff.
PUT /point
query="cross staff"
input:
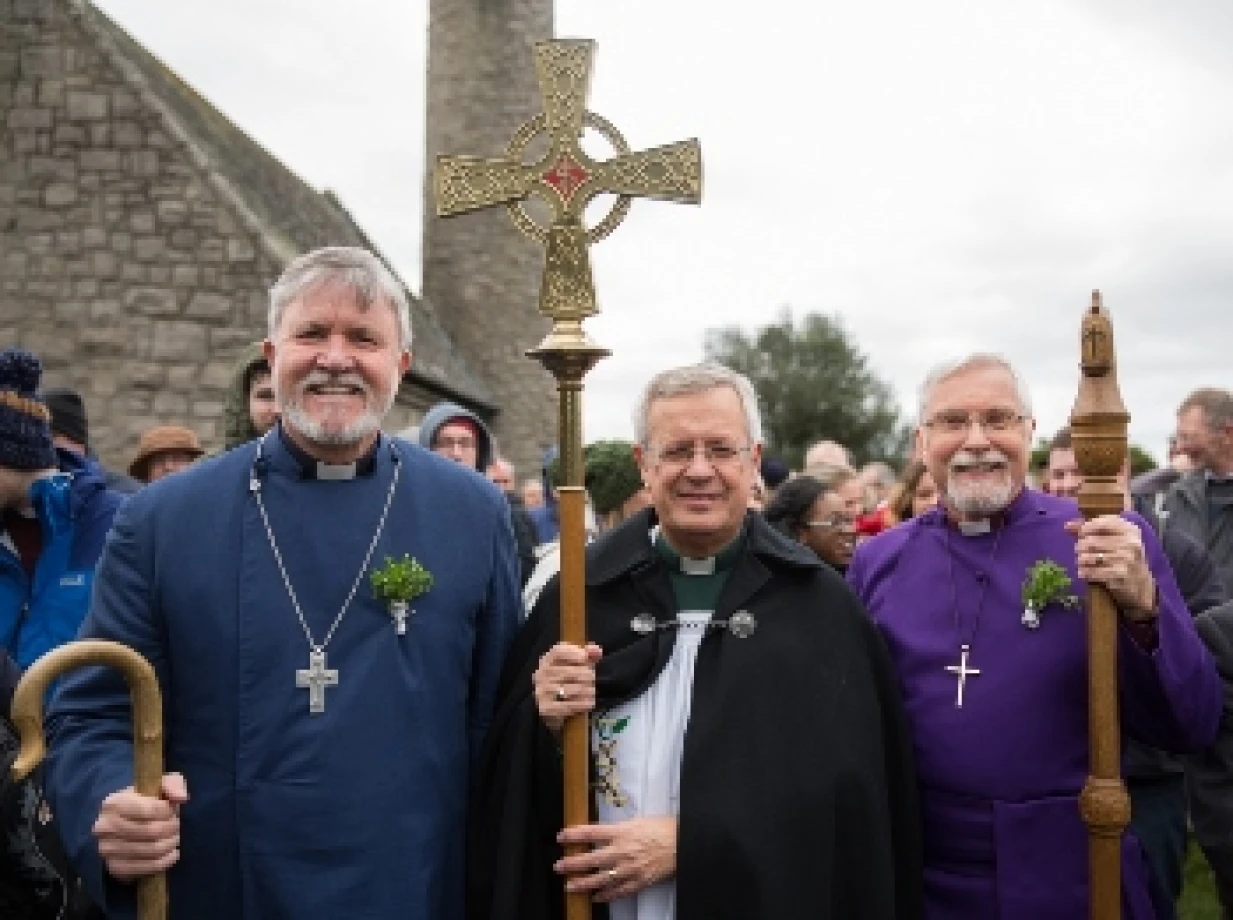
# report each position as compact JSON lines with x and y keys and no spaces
{"x":567,"y":179}
{"x":1098,"y":425}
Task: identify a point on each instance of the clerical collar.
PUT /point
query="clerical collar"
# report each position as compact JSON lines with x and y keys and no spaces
{"x":312,"y":468}
{"x":687,"y":565}
{"x":1017,"y":508}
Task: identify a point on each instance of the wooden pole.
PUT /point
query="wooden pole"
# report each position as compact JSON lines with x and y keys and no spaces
{"x":1098,"y":426}
{"x":27,"y":715}
{"x":575,"y":733}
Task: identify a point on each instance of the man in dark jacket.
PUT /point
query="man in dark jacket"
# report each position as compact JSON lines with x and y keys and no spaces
{"x":793,"y":795}
{"x":1210,"y":774}
{"x":1200,"y":504}
{"x":36,"y":880}
{"x":452,"y":431}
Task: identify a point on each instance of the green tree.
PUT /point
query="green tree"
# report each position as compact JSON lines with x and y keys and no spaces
{"x":813,"y":382}
{"x":1141,"y":461}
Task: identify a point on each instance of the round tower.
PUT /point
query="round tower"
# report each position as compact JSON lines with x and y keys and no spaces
{"x":480,"y":275}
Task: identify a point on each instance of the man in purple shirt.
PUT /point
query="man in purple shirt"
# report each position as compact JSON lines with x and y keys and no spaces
{"x":996,"y":695}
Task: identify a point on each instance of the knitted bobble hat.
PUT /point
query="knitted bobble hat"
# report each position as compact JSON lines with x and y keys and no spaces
{"x":25,"y":422}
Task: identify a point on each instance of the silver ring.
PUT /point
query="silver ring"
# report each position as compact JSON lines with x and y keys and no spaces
{"x":1100,"y":558}
{"x":561,"y":695}
{"x":612,"y":874}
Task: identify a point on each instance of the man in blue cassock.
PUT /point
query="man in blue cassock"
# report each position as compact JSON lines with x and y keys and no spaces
{"x":996,"y":693}
{"x":320,"y":740}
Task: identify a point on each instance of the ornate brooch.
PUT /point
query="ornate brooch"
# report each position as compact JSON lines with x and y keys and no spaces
{"x":1046,"y":583}
{"x":399,"y":582}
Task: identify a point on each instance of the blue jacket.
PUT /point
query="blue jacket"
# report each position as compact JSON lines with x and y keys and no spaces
{"x":75,"y":509}
{"x":355,"y":812}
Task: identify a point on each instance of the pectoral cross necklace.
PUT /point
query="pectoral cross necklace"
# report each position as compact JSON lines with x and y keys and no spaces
{"x":317,"y":676}
{"x":967,"y":636}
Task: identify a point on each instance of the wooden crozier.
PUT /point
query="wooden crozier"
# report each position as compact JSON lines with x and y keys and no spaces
{"x":1098,"y":426}
{"x":147,"y":730}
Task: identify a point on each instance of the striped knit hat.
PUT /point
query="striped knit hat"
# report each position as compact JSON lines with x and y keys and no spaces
{"x":25,"y":422}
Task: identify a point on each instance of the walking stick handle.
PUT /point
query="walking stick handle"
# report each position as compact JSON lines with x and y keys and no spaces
{"x":27,"y":714}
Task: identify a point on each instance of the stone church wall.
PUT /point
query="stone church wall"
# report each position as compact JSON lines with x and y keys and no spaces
{"x":119,"y":264}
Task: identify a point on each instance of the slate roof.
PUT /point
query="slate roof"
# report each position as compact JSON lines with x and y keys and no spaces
{"x":287,"y":214}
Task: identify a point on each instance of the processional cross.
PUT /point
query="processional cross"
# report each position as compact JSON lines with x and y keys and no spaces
{"x":962,"y":672}
{"x":567,"y":179}
{"x":316,"y":678}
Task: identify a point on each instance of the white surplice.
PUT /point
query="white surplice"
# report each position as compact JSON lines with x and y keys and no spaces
{"x":648,"y":758}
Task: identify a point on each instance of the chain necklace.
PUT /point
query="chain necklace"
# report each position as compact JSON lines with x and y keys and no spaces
{"x":961,"y":670}
{"x":317,"y":676}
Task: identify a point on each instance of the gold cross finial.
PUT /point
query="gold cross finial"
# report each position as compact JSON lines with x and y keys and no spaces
{"x":566,"y":178}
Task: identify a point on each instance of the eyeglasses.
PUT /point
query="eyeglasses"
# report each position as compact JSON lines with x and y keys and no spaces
{"x":450,"y":443}
{"x":961,"y":422}
{"x":716,"y":453}
{"x":838,"y":522}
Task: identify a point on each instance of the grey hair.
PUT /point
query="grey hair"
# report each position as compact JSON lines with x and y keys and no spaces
{"x":829,"y":475}
{"x":698,"y":378}
{"x":974,"y":361}
{"x":1217,"y":406}
{"x":355,"y":269}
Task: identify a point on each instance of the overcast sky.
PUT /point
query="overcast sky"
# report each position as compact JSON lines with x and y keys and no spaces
{"x":944,"y":176}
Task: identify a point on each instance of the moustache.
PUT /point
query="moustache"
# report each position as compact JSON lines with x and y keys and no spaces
{"x":318,"y":378}
{"x":967,"y":459}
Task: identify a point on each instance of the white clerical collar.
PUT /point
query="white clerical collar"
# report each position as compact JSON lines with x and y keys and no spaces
{"x":975,"y":528}
{"x":688,"y":564}
{"x":312,"y":468}
{"x":698,"y":566}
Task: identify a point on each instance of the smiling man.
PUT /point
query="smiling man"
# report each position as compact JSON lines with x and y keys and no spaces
{"x":997,"y":698}
{"x":320,"y":752}
{"x":791,"y":797}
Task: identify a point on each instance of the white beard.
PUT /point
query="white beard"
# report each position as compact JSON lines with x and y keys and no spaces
{"x":982,"y":501}
{"x":330,"y":434}
{"x":979,"y":500}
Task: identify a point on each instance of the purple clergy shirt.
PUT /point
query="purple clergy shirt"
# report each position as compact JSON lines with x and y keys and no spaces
{"x":1000,"y":775}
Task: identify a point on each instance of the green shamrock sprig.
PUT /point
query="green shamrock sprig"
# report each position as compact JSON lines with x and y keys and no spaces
{"x":400,"y":580}
{"x":1047,"y":583}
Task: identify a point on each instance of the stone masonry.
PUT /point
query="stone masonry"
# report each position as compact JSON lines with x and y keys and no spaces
{"x":140,"y":230}
{"x":120,"y":267}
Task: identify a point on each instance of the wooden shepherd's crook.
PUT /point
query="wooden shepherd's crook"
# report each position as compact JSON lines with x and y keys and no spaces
{"x":1098,"y":426}
{"x":147,"y":730}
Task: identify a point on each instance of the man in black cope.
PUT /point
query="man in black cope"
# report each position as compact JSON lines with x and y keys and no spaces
{"x":791,"y":796}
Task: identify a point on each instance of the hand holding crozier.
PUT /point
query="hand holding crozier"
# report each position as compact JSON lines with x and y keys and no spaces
{"x":144,"y":816}
{"x":564,"y":682}
{"x":1109,"y":551}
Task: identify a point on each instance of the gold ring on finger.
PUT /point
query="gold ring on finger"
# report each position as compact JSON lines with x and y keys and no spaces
{"x":1100,"y":558}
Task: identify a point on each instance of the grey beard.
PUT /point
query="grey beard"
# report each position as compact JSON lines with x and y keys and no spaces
{"x":294,"y":416}
{"x":981,"y":505}
{"x":316,"y":432}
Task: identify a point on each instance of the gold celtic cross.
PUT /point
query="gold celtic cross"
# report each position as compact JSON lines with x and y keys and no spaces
{"x":567,"y":179}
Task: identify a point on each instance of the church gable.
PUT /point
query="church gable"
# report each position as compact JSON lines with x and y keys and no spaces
{"x":143,"y":230}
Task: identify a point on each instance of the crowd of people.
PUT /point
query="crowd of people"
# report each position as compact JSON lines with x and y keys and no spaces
{"x":828,"y":692}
